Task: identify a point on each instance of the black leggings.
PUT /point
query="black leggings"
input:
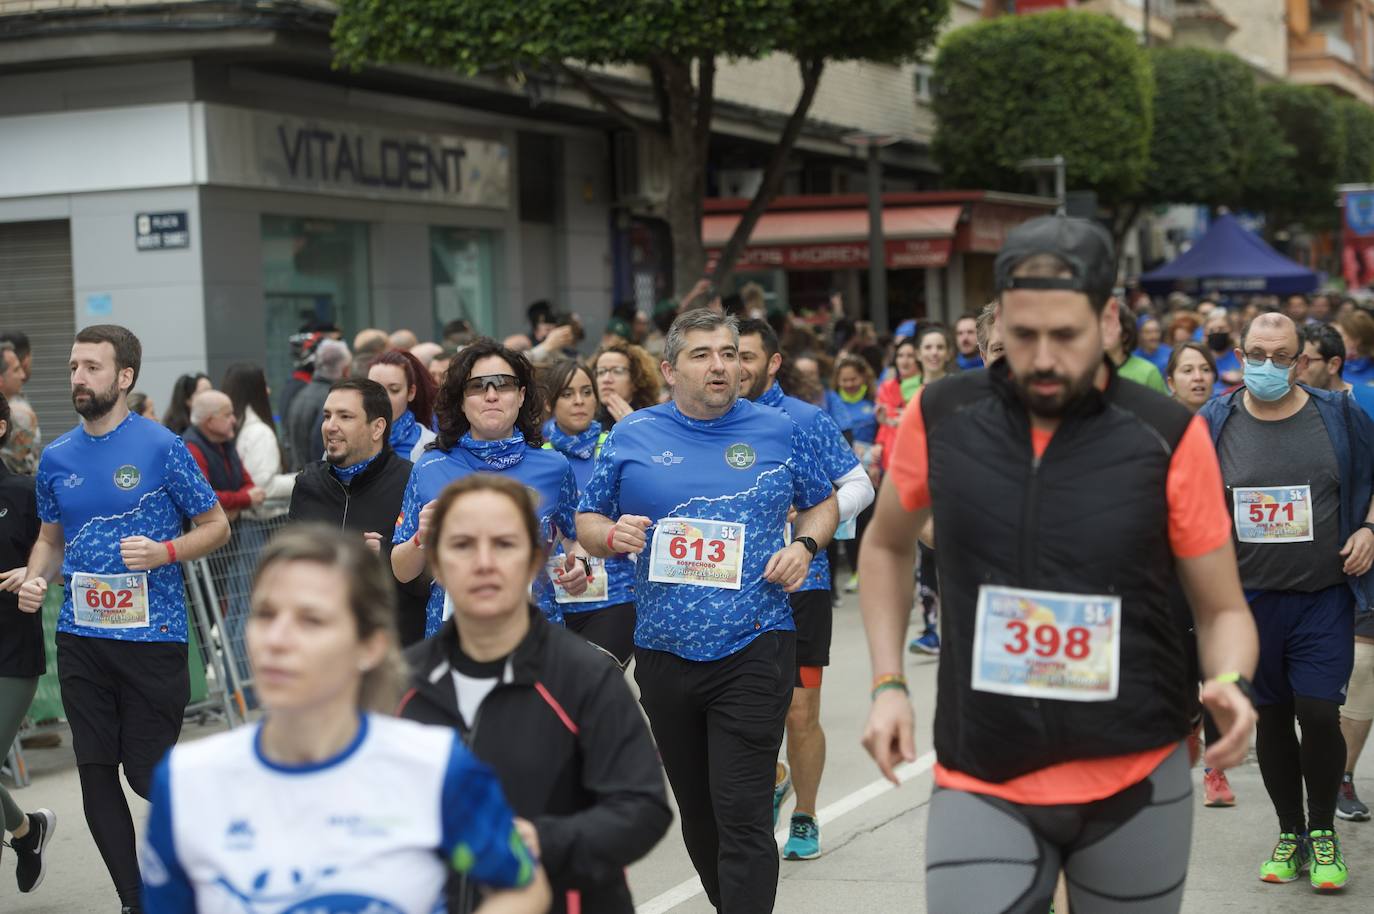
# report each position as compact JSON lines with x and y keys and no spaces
{"x":112,"y":827}
{"x":1318,"y":760}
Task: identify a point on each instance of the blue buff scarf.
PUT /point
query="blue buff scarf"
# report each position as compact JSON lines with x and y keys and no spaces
{"x":499,"y":455}
{"x":772,"y":396}
{"x":580,"y":446}
{"x":345,"y":474}
{"x":405,"y":433}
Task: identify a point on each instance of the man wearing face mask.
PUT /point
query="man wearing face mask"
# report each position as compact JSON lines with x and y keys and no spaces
{"x":1217,"y":334}
{"x":1298,"y":464}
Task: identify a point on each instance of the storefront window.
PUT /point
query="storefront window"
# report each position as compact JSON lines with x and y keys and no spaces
{"x":312,"y":270}
{"x":461,"y":264}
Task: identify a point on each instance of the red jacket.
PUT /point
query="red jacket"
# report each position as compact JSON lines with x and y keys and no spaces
{"x":229,"y":499}
{"x":889,"y":397}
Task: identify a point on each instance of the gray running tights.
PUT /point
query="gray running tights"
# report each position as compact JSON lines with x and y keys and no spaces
{"x":1127,"y":854}
{"x":15,"y":697}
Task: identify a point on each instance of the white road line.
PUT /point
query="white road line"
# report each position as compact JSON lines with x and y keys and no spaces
{"x":843,"y":806}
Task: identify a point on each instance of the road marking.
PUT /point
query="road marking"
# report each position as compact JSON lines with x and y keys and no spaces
{"x":843,"y":806}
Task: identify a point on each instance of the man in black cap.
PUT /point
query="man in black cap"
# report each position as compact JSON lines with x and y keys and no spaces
{"x":1063,"y":680}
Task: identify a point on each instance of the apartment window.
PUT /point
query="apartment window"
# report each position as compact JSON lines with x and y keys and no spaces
{"x":925,"y":82}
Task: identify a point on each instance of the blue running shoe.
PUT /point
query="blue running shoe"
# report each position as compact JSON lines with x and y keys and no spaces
{"x":929,"y":643}
{"x":805,"y":841}
{"x":782,"y":789}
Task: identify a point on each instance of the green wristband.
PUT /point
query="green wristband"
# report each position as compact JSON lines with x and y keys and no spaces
{"x":890,"y":684}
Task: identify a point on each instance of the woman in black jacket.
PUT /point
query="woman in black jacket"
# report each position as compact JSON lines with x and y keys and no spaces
{"x":548,"y":712}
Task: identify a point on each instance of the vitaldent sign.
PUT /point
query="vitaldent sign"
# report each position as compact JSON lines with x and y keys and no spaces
{"x":261,"y":149}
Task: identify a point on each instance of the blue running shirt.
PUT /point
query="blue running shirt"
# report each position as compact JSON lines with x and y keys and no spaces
{"x":749,"y":466}
{"x":619,"y":569}
{"x":835,"y":455}
{"x":138,"y":480}
{"x":546,"y":473}
{"x":374,"y":830}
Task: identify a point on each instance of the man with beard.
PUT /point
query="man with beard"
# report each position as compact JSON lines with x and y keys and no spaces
{"x":1065,"y":500}
{"x":760,"y":362}
{"x":701,"y":488}
{"x":360,"y":484}
{"x":966,"y":341}
{"x":114,"y":494}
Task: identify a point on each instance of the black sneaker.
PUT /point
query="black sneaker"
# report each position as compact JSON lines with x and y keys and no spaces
{"x":31,"y":850}
{"x":1348,"y":805}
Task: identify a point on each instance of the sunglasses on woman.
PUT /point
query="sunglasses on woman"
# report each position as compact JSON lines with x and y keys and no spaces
{"x":504,"y":383}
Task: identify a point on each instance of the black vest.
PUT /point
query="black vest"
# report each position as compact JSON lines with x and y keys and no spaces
{"x":226,"y":470}
{"x":1089,"y":517}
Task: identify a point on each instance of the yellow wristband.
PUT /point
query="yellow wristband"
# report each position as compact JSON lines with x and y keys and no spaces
{"x":1232,"y":676}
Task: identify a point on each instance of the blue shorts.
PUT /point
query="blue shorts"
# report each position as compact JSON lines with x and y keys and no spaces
{"x":1306,"y":644}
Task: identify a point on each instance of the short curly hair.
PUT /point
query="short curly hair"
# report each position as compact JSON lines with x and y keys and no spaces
{"x":645,"y":377}
{"x":448,"y":410}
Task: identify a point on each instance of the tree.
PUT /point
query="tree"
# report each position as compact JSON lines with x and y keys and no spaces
{"x":1309,"y":120}
{"x":1060,"y":83}
{"x":1204,"y":145}
{"x":1357,"y":121}
{"x":679,"y":43}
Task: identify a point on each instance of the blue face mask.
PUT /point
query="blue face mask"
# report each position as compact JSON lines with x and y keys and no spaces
{"x":1267,"y":382}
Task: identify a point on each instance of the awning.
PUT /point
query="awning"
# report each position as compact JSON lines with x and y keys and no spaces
{"x":837,"y":239}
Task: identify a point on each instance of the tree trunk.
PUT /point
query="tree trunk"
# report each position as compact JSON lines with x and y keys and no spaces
{"x":773,"y":173}
{"x":686,"y":173}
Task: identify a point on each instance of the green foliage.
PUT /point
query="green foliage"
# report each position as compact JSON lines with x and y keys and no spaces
{"x":470,"y":36}
{"x":1309,"y":119}
{"x":1062,"y":83}
{"x":1204,"y":148}
{"x":1357,"y":119}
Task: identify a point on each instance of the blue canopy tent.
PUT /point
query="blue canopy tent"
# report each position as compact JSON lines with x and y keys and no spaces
{"x":1230,"y":259}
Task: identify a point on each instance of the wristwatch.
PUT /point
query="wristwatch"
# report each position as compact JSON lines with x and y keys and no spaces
{"x":1368,"y":526}
{"x":1241,"y":682}
{"x":809,"y":543}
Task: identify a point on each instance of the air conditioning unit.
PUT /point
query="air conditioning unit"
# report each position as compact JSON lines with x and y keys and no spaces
{"x":640,"y":160}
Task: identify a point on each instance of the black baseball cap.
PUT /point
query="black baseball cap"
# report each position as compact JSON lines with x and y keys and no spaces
{"x":1082,"y":244}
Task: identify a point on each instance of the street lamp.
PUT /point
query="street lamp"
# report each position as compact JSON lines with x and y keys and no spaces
{"x":877,"y":250}
{"x":1058,"y":164}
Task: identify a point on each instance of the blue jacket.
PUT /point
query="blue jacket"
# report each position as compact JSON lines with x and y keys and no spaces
{"x":1352,"y":439}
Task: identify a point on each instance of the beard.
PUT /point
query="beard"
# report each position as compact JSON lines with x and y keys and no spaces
{"x":1073,"y":390}
{"x":96,"y":406}
{"x":759,"y":386}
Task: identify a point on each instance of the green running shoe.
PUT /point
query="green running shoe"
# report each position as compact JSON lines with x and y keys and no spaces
{"x":1288,"y":860}
{"x":1328,"y":863}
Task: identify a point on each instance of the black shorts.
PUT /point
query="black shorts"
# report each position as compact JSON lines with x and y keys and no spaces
{"x":123,"y":699}
{"x":814,"y":615}
{"x":612,"y":629}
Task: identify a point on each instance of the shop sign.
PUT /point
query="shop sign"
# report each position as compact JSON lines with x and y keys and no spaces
{"x":259,"y":148}
{"x":161,"y":231}
{"x":902,"y":254}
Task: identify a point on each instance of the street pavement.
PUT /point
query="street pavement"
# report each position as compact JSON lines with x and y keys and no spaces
{"x":873,"y":836}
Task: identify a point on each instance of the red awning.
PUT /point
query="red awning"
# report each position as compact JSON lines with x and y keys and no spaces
{"x":837,"y":239}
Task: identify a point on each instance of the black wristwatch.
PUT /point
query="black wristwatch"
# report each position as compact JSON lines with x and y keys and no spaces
{"x":1368,"y":526}
{"x":1241,"y":682}
{"x":809,"y":543}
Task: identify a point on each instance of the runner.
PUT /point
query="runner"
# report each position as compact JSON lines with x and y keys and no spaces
{"x":113,"y":494}
{"x":990,"y":345}
{"x":1060,"y":714}
{"x":488,"y":410}
{"x":1299,"y":468}
{"x":286,"y":815}
{"x":855,"y":385}
{"x":360,"y":485}
{"x":605,"y":613}
{"x":700,"y":488}
{"x":1356,"y":715}
{"x":966,"y":341}
{"x":411,"y":391}
{"x":558,"y":723}
{"x":21,"y":660}
{"x":760,"y":361}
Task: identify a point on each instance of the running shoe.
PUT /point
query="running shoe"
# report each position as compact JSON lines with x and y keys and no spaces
{"x":804,"y":843}
{"x":1217,"y":789}
{"x":31,"y":850}
{"x":852,"y":585}
{"x":1348,"y":805}
{"x":1328,"y":863}
{"x":782,"y":788}
{"x":929,"y":643}
{"x":1289,"y":859}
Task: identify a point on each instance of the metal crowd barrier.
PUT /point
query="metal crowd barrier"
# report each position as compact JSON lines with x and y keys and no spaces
{"x":218,"y":589}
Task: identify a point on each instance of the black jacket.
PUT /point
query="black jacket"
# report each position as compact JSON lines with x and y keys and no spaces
{"x":301,"y":423}
{"x":1089,"y":516}
{"x":565,"y":737}
{"x":370,"y":503}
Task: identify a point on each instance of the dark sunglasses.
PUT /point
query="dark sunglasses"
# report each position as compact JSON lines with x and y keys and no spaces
{"x":503,"y":383}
